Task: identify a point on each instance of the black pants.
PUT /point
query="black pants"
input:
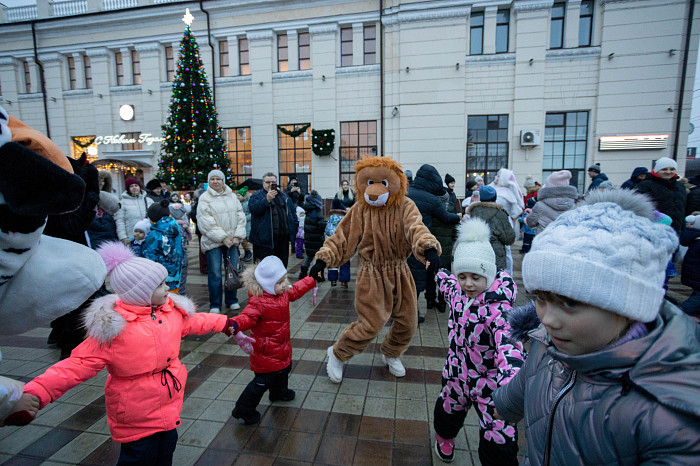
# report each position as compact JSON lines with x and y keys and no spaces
{"x":490,"y":453}
{"x":156,"y":449}
{"x":276,"y":382}
{"x":280,"y":250}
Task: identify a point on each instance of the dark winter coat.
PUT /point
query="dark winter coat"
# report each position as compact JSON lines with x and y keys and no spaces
{"x":261,"y":219}
{"x":596,"y":181}
{"x":633,"y":181}
{"x":668,"y":196}
{"x":314,"y":228}
{"x":348,"y":199}
{"x":446,"y":234}
{"x":502,"y":233}
{"x":690,"y":272}
{"x":551,"y":203}
{"x":635,"y":403}
{"x":102,"y":229}
{"x":452,"y":199}
{"x":426,"y":191}
{"x":692,"y":201}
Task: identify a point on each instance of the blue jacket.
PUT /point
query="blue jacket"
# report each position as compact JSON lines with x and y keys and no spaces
{"x":164,"y":245}
{"x":101,"y":230}
{"x":597,"y":180}
{"x":261,"y":219}
{"x":138,"y":248}
{"x":690,"y":271}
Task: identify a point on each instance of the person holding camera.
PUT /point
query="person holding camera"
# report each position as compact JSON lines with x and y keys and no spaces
{"x":294,"y":191}
{"x":273,"y":221}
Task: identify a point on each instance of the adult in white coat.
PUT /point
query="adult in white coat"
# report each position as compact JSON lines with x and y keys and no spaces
{"x":221,"y":221}
{"x":511,"y":198}
{"x":134,"y":205}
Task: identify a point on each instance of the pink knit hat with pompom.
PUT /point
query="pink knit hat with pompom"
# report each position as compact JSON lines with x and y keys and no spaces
{"x":560,"y":178}
{"x":134,"y":279}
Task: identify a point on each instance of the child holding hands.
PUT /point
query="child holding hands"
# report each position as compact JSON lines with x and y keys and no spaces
{"x":267,"y":316}
{"x":480,"y":357}
{"x":136,"y":335}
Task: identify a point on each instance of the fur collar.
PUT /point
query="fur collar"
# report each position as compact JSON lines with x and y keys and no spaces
{"x":103,"y":323}
{"x":492,"y":205}
{"x":522,"y":320}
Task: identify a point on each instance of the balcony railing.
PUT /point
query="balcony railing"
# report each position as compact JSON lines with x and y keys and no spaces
{"x":71,"y":7}
{"x":21,"y":13}
{"x":119,"y":4}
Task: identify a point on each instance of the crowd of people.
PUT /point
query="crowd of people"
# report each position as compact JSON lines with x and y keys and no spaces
{"x":610,"y":372}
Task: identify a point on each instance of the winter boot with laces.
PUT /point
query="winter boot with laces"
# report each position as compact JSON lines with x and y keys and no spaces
{"x":445,"y":448}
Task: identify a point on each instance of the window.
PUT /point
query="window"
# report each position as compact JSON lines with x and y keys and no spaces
{"x":223,"y":58}
{"x":476,"y":34}
{"x":88,"y":72}
{"x":358,"y":139}
{"x":239,"y":153}
{"x":346,"y":47}
{"x":80,"y":144}
{"x":71,"y":73}
{"x":136,"y":67}
{"x":169,"y":64}
{"x":370,"y":45}
{"x":502,"y":25}
{"x":243,"y":57}
{"x":294,"y":154}
{"x":135,"y":145}
{"x":27,"y":78}
{"x":556,"y":32}
{"x":304,"y":51}
{"x":282,"y":53}
{"x":120,"y":68}
{"x":585,"y":23}
{"x":565,"y":145}
{"x":487,"y":145}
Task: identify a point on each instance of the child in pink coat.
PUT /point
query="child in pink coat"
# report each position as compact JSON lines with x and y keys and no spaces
{"x":136,"y":335}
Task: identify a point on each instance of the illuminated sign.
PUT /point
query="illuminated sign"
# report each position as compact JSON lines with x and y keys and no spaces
{"x":144,"y":138}
{"x":639,"y":142}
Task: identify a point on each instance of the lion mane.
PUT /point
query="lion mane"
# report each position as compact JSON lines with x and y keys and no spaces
{"x":372,"y":163}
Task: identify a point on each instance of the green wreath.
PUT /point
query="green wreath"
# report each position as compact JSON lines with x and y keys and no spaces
{"x":296,"y":132}
{"x":322,"y":141}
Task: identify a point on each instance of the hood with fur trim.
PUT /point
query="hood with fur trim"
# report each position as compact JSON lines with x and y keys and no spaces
{"x":104,"y":323}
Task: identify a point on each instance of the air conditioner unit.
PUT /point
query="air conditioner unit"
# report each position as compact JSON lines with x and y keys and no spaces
{"x":530,"y":137}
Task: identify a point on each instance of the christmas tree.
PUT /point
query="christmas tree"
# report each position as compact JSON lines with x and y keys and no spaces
{"x":193,"y":145}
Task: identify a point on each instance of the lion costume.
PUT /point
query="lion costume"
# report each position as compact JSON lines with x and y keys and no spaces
{"x":384,"y":227}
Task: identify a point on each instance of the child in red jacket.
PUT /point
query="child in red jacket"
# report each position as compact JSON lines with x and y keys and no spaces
{"x":136,"y":335}
{"x":267,"y":315}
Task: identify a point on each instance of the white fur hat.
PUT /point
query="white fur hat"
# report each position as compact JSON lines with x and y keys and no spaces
{"x":473,"y":252}
{"x":268,"y":272}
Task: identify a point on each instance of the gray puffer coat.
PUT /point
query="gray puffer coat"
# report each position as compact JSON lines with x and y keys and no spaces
{"x":636,"y":403}
{"x":502,"y":234}
{"x":551,"y":203}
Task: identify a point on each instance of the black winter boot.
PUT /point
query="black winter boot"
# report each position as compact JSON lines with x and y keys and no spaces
{"x":304,"y":272}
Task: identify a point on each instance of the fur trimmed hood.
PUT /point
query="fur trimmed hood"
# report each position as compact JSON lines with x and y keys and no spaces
{"x":492,"y":205}
{"x":522,"y":320}
{"x":104,"y":323}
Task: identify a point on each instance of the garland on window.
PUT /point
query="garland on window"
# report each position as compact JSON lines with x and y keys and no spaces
{"x":322,"y":141}
{"x":297,"y":132}
{"x":79,"y":141}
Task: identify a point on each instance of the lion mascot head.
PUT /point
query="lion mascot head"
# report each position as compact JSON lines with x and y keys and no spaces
{"x":380,"y":181}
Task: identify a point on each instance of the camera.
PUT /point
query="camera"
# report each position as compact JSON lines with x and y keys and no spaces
{"x":273,"y":186}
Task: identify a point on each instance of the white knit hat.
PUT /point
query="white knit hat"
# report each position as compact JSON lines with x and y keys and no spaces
{"x":607,"y":252}
{"x":268,"y":272}
{"x":144,"y":225}
{"x":218,"y":173}
{"x":473,"y":252}
{"x":665,"y":162}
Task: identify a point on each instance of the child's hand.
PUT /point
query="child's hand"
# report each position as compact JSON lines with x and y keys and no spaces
{"x":245,"y":342}
{"x":24,"y":411}
{"x":496,"y":415}
{"x":427,"y":265}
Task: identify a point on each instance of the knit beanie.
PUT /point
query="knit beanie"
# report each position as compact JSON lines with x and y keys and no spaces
{"x":109,"y":202}
{"x":529,"y":182}
{"x":594,"y":168}
{"x":218,"y":173}
{"x":143,"y":225}
{"x":449,"y":178}
{"x":665,"y":162}
{"x":153,"y":184}
{"x":129,"y":181}
{"x":607,"y":252}
{"x":243,"y":191}
{"x":268,"y":272}
{"x":159,"y":210}
{"x":487,"y":193}
{"x":479,"y":178}
{"x":473,"y":252}
{"x":133,"y":279}
{"x":607,"y":184}
{"x":560,"y":178}
{"x":470,"y":185}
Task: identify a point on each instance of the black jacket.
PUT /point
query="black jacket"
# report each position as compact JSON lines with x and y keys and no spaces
{"x":690,"y":271}
{"x":692,"y":202}
{"x":314,"y":228}
{"x":668,"y":196}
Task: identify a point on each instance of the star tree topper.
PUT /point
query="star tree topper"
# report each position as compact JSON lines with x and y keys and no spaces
{"x":188,"y":18}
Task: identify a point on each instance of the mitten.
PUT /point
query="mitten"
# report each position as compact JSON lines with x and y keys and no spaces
{"x":231,"y":327}
{"x":317,"y":270}
{"x":431,"y":256}
{"x":245,"y":342}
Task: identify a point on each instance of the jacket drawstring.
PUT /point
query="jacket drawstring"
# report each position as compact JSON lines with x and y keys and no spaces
{"x":177,"y":385}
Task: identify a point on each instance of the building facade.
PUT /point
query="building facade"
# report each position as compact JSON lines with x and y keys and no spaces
{"x":467,"y":86}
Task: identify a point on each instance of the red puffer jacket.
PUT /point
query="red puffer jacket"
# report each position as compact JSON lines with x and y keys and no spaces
{"x":267,"y":317}
{"x":140,"y":348}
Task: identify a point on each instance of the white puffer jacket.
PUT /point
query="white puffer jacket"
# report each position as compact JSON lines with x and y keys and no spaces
{"x":219,"y":215}
{"x":133,"y":209}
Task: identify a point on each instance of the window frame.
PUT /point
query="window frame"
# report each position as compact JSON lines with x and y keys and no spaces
{"x":223,"y":58}
{"x":119,"y":65}
{"x":299,"y":144}
{"x":305,"y":50}
{"x":501,"y":24}
{"x":588,"y":16}
{"x":369,"y":57}
{"x":559,"y":19}
{"x":280,"y":49}
{"x":243,"y":63}
{"x":27,"y":77}
{"x":240,"y":153}
{"x":360,"y":150}
{"x":87,"y":68}
{"x":169,"y":63}
{"x":578,"y":172}
{"x":72,"y":78}
{"x":132,"y":146}
{"x":479,"y":28}
{"x":135,"y":68}
{"x":344,"y":56}
{"x":501,"y":139}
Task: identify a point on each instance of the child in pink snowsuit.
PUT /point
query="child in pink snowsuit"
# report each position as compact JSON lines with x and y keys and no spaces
{"x":136,"y":335}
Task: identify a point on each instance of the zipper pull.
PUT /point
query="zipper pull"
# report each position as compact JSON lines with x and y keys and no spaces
{"x":153,"y":314}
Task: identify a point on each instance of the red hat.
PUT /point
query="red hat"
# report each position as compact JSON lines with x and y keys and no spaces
{"x":129,"y":181}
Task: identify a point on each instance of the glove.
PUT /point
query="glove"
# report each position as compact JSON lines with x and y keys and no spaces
{"x":431,"y":256}
{"x":231,"y":327}
{"x":317,"y":269}
{"x":245,"y":342}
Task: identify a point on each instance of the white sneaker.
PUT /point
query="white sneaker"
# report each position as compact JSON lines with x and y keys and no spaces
{"x":334,"y":367}
{"x":234,"y":306}
{"x":395,"y":366}
{"x":214,"y":310}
